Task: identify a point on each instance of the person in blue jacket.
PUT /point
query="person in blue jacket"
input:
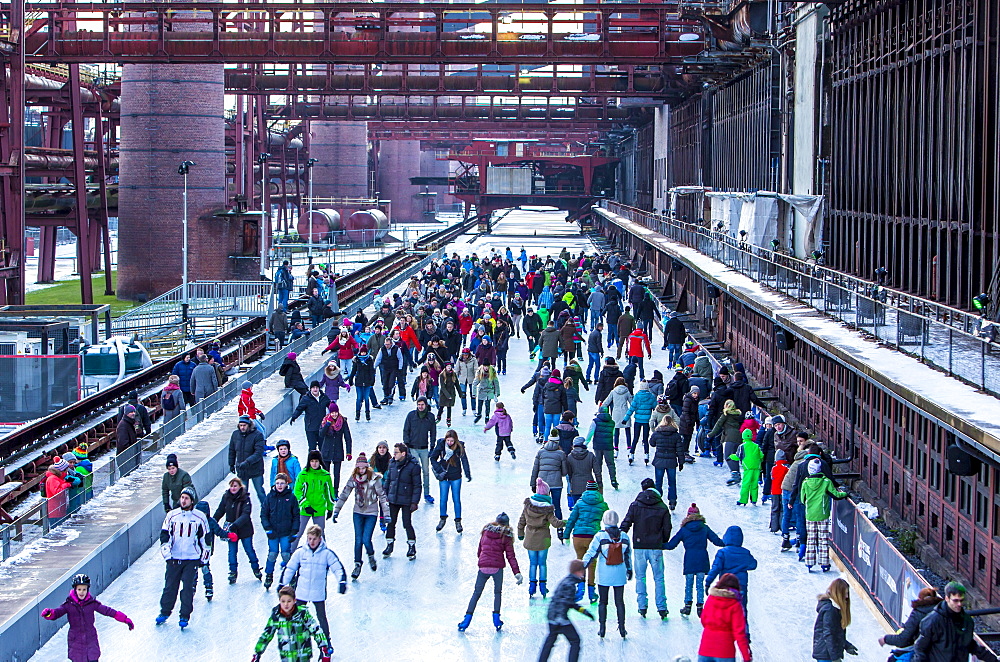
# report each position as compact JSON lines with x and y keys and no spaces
{"x":694,"y":534}
{"x":183,"y":370}
{"x":733,"y":558}
{"x":643,"y":403}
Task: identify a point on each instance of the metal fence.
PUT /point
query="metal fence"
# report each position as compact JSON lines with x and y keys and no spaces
{"x":47,"y":513}
{"x":958,"y":342}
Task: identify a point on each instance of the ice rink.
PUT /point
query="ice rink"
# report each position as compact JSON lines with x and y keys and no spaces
{"x":408,"y":610}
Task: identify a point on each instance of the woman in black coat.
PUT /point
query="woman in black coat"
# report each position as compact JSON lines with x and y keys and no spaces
{"x":235,"y":505}
{"x":833,"y":616}
{"x":402,"y":491}
{"x":669,"y":457}
{"x":292,"y":373}
{"x":334,"y":435}
{"x":926,"y":600}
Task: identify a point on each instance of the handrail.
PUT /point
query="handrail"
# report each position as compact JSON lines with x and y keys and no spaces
{"x":955,"y":340}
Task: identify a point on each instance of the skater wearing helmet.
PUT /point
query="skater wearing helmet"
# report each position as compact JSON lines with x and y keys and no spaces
{"x":79,"y":610}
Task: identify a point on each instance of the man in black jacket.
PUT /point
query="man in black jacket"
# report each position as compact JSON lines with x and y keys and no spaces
{"x":279,"y":515}
{"x":532,"y":325}
{"x":419,"y":432}
{"x":651,"y":519}
{"x":947,"y":634}
{"x":143,"y":422}
{"x":673,"y":336}
{"x":314,"y":405}
{"x":246,"y":455}
{"x":402,"y":491}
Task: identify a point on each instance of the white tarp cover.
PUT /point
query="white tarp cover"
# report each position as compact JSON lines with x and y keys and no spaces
{"x":758,"y":215}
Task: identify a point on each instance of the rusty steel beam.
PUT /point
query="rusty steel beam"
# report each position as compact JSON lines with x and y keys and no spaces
{"x":346,"y":33}
{"x":12,"y":155}
{"x":441,"y":112}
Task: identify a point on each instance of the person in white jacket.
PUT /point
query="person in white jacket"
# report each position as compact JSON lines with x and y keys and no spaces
{"x":618,"y":403}
{"x":312,"y":562}
{"x":183,"y":546}
{"x":465,"y":368}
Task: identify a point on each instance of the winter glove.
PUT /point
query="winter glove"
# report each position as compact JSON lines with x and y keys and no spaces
{"x":292,"y":419}
{"x":232,"y":468}
{"x":47,"y":614}
{"x":334,"y":519}
{"x":343,"y":588}
{"x":329,"y":514}
{"x":310,"y":511}
{"x":680,"y":466}
{"x":165,"y":550}
{"x":349,"y":457}
{"x":260,"y":415}
{"x":255,"y":657}
{"x":628,"y":575}
{"x":413,"y":507}
{"x":585,"y":612}
{"x":122,"y":618}
{"x":520,"y":537}
{"x":233,"y":537}
{"x":520,"y":578}
{"x":851,"y":649}
{"x":325,"y":653}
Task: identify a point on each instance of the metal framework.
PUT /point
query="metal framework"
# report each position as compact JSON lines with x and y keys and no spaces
{"x":352,"y":32}
{"x":912,"y":183}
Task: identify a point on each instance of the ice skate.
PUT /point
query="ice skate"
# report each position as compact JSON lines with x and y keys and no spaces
{"x":663,"y":614}
{"x":458,"y":524}
{"x":161,"y":619}
{"x":411,"y":553}
{"x":497,"y":623}
{"x":232,"y":578}
{"x":387,"y":552}
{"x":357,"y":570}
{"x":372,"y":563}
{"x":686,"y":609}
{"x":532,"y":587}
{"x":183,"y":623}
{"x":441,"y":523}
{"x":642,"y":612}
{"x":700,"y":607}
{"x":268,"y":580}
{"x":464,"y":625}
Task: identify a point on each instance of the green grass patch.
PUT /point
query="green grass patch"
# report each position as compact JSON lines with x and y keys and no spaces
{"x":68,"y":292}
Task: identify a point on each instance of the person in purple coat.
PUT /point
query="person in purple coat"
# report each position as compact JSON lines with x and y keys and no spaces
{"x":79,"y":610}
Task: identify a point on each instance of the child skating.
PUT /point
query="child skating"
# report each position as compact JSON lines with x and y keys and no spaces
{"x":295,"y":628}
{"x":79,"y":610}
{"x":750,"y":458}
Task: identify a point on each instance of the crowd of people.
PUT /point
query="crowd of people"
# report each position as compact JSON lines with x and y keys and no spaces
{"x":443,"y":342}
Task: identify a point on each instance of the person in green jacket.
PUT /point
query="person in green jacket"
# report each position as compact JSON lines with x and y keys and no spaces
{"x":295,"y":628}
{"x":174,"y":480}
{"x":583,"y":524}
{"x":314,"y":490}
{"x":815,"y":493}
{"x":750,"y":457}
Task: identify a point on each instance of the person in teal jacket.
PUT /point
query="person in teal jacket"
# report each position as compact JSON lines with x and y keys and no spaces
{"x":285,"y":463}
{"x":583,"y":524}
{"x":750,"y":457}
{"x":643,"y":403}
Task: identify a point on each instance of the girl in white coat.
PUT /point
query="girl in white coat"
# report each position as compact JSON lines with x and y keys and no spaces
{"x":618,"y":403}
{"x":312,"y":561}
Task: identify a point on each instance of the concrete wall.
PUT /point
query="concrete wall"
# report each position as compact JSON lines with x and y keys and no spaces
{"x":661,"y":152}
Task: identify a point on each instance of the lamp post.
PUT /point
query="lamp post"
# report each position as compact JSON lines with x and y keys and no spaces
{"x":182,"y":170}
{"x":309,"y":168}
{"x":264,"y":212}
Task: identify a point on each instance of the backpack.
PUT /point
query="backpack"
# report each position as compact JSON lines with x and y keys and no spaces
{"x":614,"y":555}
{"x":167,"y":402}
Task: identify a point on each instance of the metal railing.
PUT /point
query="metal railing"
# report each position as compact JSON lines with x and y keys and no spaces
{"x":235,"y":299}
{"x":35,"y":521}
{"x":937,"y":334}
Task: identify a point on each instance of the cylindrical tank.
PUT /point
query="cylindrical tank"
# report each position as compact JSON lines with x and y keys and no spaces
{"x":366,"y":226}
{"x":324,"y":221}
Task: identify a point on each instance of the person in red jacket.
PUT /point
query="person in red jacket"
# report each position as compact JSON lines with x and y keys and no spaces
{"x":495,"y":543}
{"x":724,"y":622}
{"x":778,"y":472}
{"x":55,"y":490}
{"x":465,"y":324}
{"x":247,"y":407}
{"x":346,"y":347}
{"x":635,"y":344}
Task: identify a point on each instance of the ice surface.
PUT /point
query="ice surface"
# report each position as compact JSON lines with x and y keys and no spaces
{"x":409,"y":610}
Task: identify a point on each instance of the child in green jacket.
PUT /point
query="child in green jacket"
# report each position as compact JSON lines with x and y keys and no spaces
{"x":750,"y":458}
{"x":295,"y":629}
{"x":815,"y":493}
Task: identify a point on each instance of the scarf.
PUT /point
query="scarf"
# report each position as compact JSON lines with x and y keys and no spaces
{"x":336,"y":425}
{"x":281,"y":465}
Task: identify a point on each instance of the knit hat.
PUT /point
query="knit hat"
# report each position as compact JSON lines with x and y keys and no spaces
{"x":541,"y":487}
{"x":244,"y":419}
{"x":503,"y":519}
{"x":172,"y":460}
{"x":647,"y":483}
{"x":591,"y":485}
{"x":247,"y":386}
{"x":555,"y":373}
{"x":60,"y":464}
{"x":779,"y":455}
{"x":333,"y":408}
{"x":553,"y":435}
{"x":466,"y":350}
{"x":748,"y":435}
{"x":777,"y":419}
{"x":579,"y":442}
{"x":129,"y":409}
{"x":192,"y":494}
{"x":815,"y":466}
{"x":362,"y":460}
{"x":610,"y":518}
{"x":81,"y":450}
{"x":693,"y":510}
{"x":315,"y":455}
{"x":545,"y":372}
{"x":283,"y":442}
{"x":292,"y":355}
{"x":768,"y":420}
{"x":70,"y":457}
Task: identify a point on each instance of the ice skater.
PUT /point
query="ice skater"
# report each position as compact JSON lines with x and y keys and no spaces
{"x":563,"y":599}
{"x":79,"y":610}
{"x":312,"y":562}
{"x":183,"y":546}
{"x":495,"y":543}
{"x":295,"y":629}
